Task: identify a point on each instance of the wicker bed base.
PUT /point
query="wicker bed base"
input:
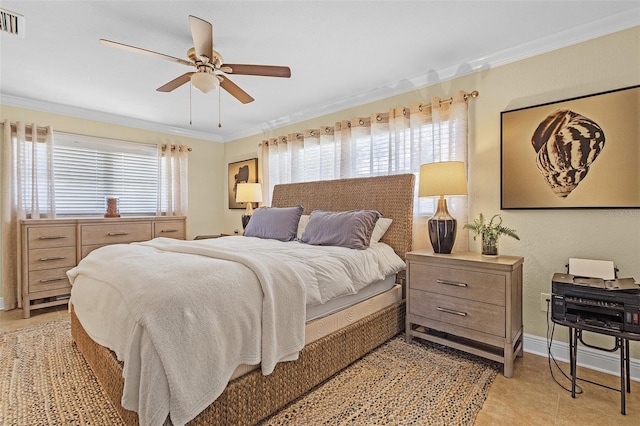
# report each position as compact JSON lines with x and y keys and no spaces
{"x":253,"y":397}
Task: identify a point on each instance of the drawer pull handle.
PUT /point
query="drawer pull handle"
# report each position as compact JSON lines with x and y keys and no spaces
{"x":453,"y":283}
{"x":168,"y":230}
{"x":115,"y":234}
{"x":451,"y":311}
{"x":47,"y":259}
{"x":52,"y":237}
{"x":48,"y":280}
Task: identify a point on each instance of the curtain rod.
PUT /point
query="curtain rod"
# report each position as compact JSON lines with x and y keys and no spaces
{"x":27,"y":126}
{"x":466,"y":97}
{"x":474,"y":94}
{"x":40,"y":128}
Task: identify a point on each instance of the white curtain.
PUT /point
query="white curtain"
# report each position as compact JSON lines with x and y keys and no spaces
{"x":439,"y":132}
{"x":393,"y":142}
{"x":174,"y":160}
{"x":27,"y":192}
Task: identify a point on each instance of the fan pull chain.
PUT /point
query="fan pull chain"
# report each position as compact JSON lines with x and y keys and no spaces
{"x":219,"y":113}
{"x":190,"y":102}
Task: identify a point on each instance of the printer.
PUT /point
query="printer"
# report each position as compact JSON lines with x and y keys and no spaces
{"x":590,"y":294}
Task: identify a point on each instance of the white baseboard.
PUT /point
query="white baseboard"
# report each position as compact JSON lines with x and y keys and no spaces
{"x":1,"y":303}
{"x":605,"y":362}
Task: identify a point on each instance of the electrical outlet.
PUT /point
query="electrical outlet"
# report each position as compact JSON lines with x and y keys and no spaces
{"x":543,"y":301}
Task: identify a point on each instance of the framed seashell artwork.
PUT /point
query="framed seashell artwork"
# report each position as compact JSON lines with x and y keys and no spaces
{"x":582,"y":152}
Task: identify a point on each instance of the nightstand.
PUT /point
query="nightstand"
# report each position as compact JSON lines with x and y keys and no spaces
{"x":468,"y":302}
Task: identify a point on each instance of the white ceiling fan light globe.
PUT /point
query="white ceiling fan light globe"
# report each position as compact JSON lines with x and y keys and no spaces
{"x":205,"y":82}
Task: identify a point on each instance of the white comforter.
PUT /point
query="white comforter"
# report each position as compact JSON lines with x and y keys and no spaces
{"x":182,"y":315}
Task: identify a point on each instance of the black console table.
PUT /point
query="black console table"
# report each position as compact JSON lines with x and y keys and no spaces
{"x":621,"y":343}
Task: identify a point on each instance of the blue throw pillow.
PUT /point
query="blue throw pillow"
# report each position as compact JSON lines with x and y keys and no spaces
{"x":351,"y":229}
{"x":277,"y":223}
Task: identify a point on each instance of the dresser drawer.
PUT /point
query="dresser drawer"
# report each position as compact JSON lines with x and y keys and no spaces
{"x":51,"y":236}
{"x":49,"y":258}
{"x":88,"y":249}
{"x":48,"y":279}
{"x":170,"y":229}
{"x":115,"y":233}
{"x":482,"y":317}
{"x":472,"y":285}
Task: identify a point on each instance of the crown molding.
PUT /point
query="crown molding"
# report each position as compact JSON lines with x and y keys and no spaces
{"x":564,"y":38}
{"x":89,"y":114}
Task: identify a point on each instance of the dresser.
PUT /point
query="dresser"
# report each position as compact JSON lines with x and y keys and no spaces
{"x":48,"y":248}
{"x":468,"y":302}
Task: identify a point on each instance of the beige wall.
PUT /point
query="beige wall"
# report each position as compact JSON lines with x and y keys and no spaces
{"x":548,"y":237}
{"x":206,"y":162}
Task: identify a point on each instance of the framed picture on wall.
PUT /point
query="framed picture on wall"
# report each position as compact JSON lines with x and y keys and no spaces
{"x":245,"y":171}
{"x":582,"y":152}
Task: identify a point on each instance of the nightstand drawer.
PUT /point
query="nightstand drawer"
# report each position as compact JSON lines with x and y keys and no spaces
{"x":48,"y":279}
{"x":482,"y":317}
{"x":473,"y":285}
{"x":50,"y":258}
{"x":116,"y":233}
{"x":169,"y":229}
{"x":52,"y":236}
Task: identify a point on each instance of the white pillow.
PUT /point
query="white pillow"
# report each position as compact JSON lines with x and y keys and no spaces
{"x":382,"y":225}
{"x":302,"y":224}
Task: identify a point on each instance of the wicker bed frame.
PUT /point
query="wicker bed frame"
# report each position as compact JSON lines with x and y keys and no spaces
{"x":253,"y":397}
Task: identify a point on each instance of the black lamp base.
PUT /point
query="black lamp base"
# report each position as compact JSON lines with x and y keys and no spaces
{"x":442,"y":229}
{"x":442,"y":233}
{"x":245,"y":220}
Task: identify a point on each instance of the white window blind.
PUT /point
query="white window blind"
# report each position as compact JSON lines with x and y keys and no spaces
{"x":88,"y":169}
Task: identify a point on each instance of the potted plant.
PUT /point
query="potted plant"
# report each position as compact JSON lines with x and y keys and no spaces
{"x":490,"y":232}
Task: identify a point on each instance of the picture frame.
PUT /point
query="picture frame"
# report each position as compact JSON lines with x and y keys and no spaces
{"x":245,"y":171}
{"x":582,"y":152}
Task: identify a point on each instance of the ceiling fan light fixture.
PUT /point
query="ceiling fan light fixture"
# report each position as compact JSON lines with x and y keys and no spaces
{"x":205,"y":82}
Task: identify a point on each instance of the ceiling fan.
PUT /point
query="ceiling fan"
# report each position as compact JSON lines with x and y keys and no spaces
{"x":211,"y":70}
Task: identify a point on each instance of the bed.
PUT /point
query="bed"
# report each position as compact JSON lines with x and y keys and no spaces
{"x":252,"y":397}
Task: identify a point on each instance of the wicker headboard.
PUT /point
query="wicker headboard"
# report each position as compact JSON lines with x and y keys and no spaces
{"x":390,"y":195}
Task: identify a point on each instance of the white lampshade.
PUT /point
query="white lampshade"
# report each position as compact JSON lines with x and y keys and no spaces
{"x":249,"y":193}
{"x":205,"y":82}
{"x":443,"y":178}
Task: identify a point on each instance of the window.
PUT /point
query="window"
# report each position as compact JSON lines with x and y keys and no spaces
{"x":89,"y":169}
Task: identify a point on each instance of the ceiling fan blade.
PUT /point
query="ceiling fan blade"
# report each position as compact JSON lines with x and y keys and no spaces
{"x":175,"y":83}
{"x":144,"y":51}
{"x":202,"y":34}
{"x":235,"y":91}
{"x":263,"y":70}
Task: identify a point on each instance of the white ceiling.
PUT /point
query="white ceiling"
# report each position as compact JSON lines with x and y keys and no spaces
{"x":341,"y":54}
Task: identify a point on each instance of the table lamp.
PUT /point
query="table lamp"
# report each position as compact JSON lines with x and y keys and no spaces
{"x":248,"y":193}
{"x":438,"y":180}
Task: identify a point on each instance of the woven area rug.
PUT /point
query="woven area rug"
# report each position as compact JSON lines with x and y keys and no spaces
{"x":398,"y":384}
{"x":44,"y":380}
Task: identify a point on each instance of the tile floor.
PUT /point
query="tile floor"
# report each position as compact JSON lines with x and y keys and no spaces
{"x":530,"y":397}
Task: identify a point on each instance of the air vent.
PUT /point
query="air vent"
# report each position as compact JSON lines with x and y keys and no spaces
{"x":11,"y":22}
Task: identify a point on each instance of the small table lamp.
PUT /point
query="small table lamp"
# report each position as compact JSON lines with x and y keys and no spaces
{"x":440,"y":179}
{"x":248,"y":193}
